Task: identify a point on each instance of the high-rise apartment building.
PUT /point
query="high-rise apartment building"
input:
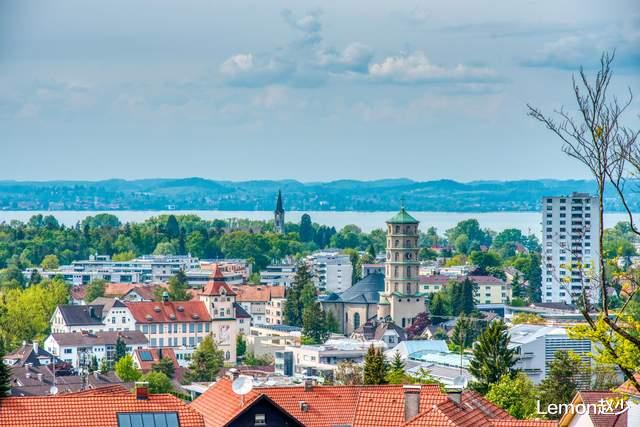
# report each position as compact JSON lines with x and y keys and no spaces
{"x":570,"y":249}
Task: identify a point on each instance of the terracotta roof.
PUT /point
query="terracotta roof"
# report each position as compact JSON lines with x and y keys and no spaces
{"x":524,"y":423}
{"x":594,"y":399}
{"x":217,"y":285}
{"x":257,"y":293}
{"x":156,"y":354}
{"x":628,"y":388}
{"x":384,"y":405}
{"x":359,"y":406}
{"x":89,"y":409}
{"x":168,"y":312}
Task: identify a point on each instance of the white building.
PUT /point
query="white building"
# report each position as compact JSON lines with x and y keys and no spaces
{"x":146,"y":269}
{"x":104,"y":314}
{"x":331,"y":270}
{"x":278,"y":275}
{"x":79,"y":348}
{"x":570,"y":228}
{"x":536,"y":346}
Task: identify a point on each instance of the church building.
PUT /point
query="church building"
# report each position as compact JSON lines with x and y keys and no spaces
{"x":392,"y":297}
{"x":278,"y":215}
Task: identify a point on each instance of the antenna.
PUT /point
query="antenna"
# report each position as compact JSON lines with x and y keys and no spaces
{"x":242,"y":385}
{"x":460,"y":382}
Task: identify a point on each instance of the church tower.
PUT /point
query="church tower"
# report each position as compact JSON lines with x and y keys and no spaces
{"x":401,"y":300}
{"x":278,"y":215}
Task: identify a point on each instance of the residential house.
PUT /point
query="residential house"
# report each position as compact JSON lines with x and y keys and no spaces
{"x":377,"y":330}
{"x":490,"y":290}
{"x":112,"y":406}
{"x":79,"y":348}
{"x":39,"y":380}
{"x":103,"y":314}
{"x":601,"y":409}
{"x":355,"y":406}
{"x":28,"y":354}
{"x":256,"y":301}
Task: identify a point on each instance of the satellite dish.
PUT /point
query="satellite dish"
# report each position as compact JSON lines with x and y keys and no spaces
{"x":242,"y":385}
{"x":460,"y":381}
{"x":53,"y":390}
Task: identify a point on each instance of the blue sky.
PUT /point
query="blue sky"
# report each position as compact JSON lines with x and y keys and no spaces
{"x":303,"y":90}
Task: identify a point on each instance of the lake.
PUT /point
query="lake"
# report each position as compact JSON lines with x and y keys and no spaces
{"x":528,"y":222}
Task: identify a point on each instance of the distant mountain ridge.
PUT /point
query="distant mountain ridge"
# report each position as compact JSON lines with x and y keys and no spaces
{"x":194,"y":193}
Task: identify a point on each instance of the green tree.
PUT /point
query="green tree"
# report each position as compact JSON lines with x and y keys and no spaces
{"x":306,"y":229}
{"x":492,"y":357}
{"x":463,"y":333}
{"x":475,"y":237}
{"x":5,"y":374}
{"x":375,"y":367}
{"x":178,"y":287}
{"x":332,"y":323}
{"x":516,"y":394}
{"x":172,"y":227}
{"x":314,"y":325}
{"x":252,"y":360}
{"x":105,"y":366}
{"x":241,"y":345}
{"x":94,"y":290}
{"x":438,"y":308}
{"x":562,"y":378}
{"x":485,"y":261}
{"x":121,"y":349}
{"x":396,"y":373}
{"x":50,"y":262}
{"x":206,"y":361}
{"x":301,"y":293}
{"x":126,"y":369}
{"x":158,"y":382}
{"x":164,"y":365}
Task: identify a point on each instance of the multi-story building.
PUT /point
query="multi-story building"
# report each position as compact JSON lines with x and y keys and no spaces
{"x":146,"y":269}
{"x":278,"y":275}
{"x":490,"y":290}
{"x":79,"y":348}
{"x":331,"y":270}
{"x":256,"y":300}
{"x":103,"y":314}
{"x":402,"y":299}
{"x":536,"y":346}
{"x":172,"y":323}
{"x":570,"y":248}
{"x":274,"y":313}
{"x":368,"y":269}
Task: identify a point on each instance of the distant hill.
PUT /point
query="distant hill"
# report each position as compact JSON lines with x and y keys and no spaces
{"x":343,"y":195}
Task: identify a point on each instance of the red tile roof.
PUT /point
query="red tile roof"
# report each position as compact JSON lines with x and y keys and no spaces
{"x":357,"y":406}
{"x":217,"y":284}
{"x":146,"y":365}
{"x":593,"y":399}
{"x":629,"y":388}
{"x":169,"y":312}
{"x":89,"y":409}
{"x":259,"y":293}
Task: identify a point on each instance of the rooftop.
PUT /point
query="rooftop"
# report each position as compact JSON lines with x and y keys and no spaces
{"x":75,"y":339}
{"x":169,"y":311}
{"x":96,"y":408}
{"x":402,"y":217}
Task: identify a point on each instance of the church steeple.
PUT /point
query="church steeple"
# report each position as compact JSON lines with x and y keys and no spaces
{"x":278,"y":214}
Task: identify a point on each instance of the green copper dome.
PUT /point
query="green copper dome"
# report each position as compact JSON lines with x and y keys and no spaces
{"x":402,"y":217}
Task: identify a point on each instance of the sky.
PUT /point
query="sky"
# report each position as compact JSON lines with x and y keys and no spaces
{"x":313,"y":91}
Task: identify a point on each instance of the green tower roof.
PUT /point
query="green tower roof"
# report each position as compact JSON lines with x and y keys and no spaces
{"x":402,"y":217}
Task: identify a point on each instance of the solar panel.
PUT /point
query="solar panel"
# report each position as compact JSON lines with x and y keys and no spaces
{"x":146,"y":356}
{"x":148,"y":419}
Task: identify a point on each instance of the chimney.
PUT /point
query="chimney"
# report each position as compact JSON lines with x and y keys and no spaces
{"x":165,"y":296}
{"x":35,"y":347}
{"x":40,"y":377}
{"x":233,"y":373}
{"x":159,"y":353}
{"x":308,"y":384}
{"x":91,"y":312}
{"x":142,"y":390}
{"x":455,"y":396}
{"x":411,"y":401}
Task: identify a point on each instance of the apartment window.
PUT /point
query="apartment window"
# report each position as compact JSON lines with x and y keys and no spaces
{"x":192,"y":327}
{"x":145,"y":329}
{"x":68,"y":350}
{"x":563,"y":208}
{"x":161,"y":342}
{"x":192,"y":341}
{"x":199,"y":327}
{"x":563,"y":222}
{"x":153,"y":329}
{"x":184,"y":328}
{"x":562,"y":215}
{"x":184,"y":341}
{"x":260,"y":420}
{"x":206,"y":327}
{"x":549,"y":222}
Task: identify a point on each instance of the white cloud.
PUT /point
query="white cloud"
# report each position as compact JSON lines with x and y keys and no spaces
{"x":253,"y":71}
{"x":355,"y":58}
{"x":416,"y":68}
